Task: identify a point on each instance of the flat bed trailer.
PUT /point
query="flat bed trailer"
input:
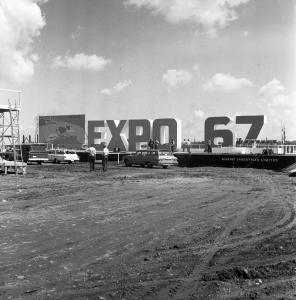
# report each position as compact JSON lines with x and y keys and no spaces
{"x":19,"y":167}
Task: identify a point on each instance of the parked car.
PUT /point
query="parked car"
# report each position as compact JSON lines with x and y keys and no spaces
{"x":151,"y":158}
{"x":62,"y":155}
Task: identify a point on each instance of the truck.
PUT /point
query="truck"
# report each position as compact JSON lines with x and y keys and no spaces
{"x":29,"y":153}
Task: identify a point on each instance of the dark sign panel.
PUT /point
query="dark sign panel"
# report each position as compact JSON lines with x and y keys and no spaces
{"x":64,"y":131}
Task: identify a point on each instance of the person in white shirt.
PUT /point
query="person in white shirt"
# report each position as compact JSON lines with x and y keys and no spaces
{"x":188,"y":145}
{"x":105,"y":157}
{"x":92,"y":157}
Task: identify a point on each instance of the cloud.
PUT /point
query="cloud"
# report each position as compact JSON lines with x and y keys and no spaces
{"x":81,"y":61}
{"x":174,"y":78}
{"x":280,"y":106}
{"x":226,"y":82}
{"x":117,"y":88}
{"x":274,"y":95}
{"x":210,"y":15}
{"x":20,"y":22}
{"x":272,"y":88}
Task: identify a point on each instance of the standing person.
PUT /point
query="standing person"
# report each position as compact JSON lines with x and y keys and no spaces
{"x":184,"y":145}
{"x":156,"y":143}
{"x":188,"y":145}
{"x":209,"y":148}
{"x":172,"y":146}
{"x":151,"y":144}
{"x":92,"y":157}
{"x":105,"y":157}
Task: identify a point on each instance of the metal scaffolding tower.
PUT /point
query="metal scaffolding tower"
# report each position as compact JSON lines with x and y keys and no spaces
{"x":9,"y":128}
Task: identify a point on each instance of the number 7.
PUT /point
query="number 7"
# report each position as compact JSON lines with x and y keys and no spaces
{"x":256,"y":122}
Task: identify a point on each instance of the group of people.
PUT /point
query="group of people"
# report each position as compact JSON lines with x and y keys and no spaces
{"x":92,"y":157}
{"x":155,"y":145}
{"x":186,"y":145}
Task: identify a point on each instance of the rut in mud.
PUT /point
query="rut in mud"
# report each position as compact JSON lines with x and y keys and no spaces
{"x":138,"y":233}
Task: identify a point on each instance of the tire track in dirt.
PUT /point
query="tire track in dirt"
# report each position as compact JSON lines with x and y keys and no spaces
{"x":179,"y":256}
{"x":175,"y":285}
{"x":190,"y":291}
{"x":174,"y":289}
{"x":272,"y":287}
{"x":286,"y":222}
{"x":289,"y":293}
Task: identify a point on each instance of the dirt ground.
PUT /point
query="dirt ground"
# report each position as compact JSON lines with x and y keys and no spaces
{"x":140,"y":233}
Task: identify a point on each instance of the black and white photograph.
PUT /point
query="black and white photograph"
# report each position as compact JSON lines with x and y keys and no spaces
{"x":147,"y":149}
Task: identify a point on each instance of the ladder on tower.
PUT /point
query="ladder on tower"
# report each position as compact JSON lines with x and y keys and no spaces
{"x":10,"y":139}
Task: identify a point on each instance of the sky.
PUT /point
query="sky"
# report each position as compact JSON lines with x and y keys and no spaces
{"x":149,"y":59}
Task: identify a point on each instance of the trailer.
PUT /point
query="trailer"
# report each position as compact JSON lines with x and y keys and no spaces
{"x":14,"y":166}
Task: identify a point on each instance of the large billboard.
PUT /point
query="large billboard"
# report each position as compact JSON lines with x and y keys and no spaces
{"x":64,"y":131}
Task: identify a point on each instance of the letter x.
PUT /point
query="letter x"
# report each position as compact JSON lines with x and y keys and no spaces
{"x":116,"y":140}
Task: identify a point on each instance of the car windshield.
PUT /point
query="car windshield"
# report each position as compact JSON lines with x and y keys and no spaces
{"x":37,"y":148}
{"x":152,"y":153}
{"x":144,"y":153}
